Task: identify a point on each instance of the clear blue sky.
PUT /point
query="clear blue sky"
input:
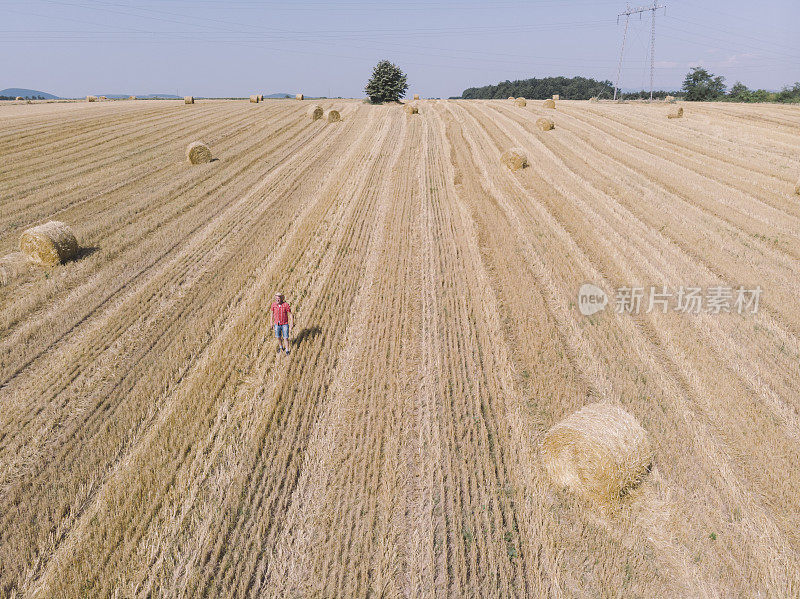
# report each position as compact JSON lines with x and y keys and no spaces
{"x":237,"y":47}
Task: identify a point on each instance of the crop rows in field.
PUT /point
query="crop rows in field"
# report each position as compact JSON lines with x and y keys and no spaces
{"x":153,"y":442}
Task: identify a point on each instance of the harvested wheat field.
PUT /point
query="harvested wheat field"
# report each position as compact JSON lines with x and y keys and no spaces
{"x":153,"y":443}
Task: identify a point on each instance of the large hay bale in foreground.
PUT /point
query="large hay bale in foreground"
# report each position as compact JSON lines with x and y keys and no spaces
{"x":514,"y":159}
{"x":416,"y":96}
{"x":49,"y":244}
{"x":198,"y":153}
{"x":299,"y":97}
{"x":411,"y":109}
{"x":333,"y":116}
{"x":254,"y":99}
{"x":676,"y":114}
{"x":545,"y":124}
{"x":599,"y":452}
{"x":315,"y":112}
{"x":549,"y":103}
{"x":91,"y":98}
{"x":520,"y":102}
{"x":188,"y":99}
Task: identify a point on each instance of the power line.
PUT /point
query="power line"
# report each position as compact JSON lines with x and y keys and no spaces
{"x":627,"y":14}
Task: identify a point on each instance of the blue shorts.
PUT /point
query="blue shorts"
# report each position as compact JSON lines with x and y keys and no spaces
{"x":281,"y":330}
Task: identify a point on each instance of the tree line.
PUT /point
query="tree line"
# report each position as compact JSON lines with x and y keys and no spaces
{"x":23,"y":97}
{"x":699,"y":85}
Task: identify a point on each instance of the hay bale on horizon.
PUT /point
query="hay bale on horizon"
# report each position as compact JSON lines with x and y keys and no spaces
{"x":188,"y":99}
{"x":299,"y":97}
{"x":198,"y":153}
{"x":676,"y":114}
{"x":260,"y":97}
{"x":511,"y":98}
{"x":514,"y":159}
{"x":416,"y":96}
{"x":670,"y":99}
{"x":131,"y":97}
{"x":594,"y":99}
{"x":545,"y":124}
{"x":411,"y":109}
{"x":49,"y":244}
{"x":254,"y":99}
{"x":19,"y":98}
{"x":600,"y":452}
{"x":91,"y":98}
{"x":521,"y":102}
{"x":333,"y":116}
{"x":549,"y":103}
{"x":102,"y":98}
{"x":556,"y":97}
{"x":315,"y":112}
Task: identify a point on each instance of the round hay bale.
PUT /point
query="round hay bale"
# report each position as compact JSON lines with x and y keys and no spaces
{"x":198,"y":153}
{"x":511,"y":98}
{"x":549,"y":103}
{"x":599,"y":452}
{"x":416,"y":96}
{"x":556,"y":97}
{"x":134,"y":97}
{"x":19,"y":98}
{"x":676,"y":114}
{"x":514,"y":159}
{"x":520,"y":102}
{"x":797,"y":187}
{"x":545,"y":124}
{"x":103,"y":98}
{"x":315,"y":113}
{"x":333,"y":116}
{"x":299,"y":97}
{"x":188,"y":99}
{"x":670,"y":99}
{"x":411,"y":109}
{"x":49,"y":244}
{"x":254,"y":99}
{"x":260,"y":97}
{"x":91,"y":98}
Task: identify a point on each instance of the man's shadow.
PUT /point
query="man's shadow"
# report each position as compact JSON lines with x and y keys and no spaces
{"x":307,"y":333}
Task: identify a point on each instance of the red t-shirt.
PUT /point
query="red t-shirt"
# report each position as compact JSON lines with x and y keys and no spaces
{"x":280,"y":313}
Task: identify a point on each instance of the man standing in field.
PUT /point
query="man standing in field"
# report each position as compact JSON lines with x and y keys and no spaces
{"x":282,"y":321}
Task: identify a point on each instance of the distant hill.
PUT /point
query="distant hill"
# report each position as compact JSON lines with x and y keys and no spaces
{"x":13,"y":92}
{"x":574,"y":88}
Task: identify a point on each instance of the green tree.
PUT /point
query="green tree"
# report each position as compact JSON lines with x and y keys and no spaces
{"x":739,"y":92}
{"x":387,"y":84}
{"x":702,"y":86}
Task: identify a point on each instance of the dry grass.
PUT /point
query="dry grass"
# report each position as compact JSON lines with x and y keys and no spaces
{"x":155,"y":444}
{"x":49,"y":244}
{"x":198,"y":153}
